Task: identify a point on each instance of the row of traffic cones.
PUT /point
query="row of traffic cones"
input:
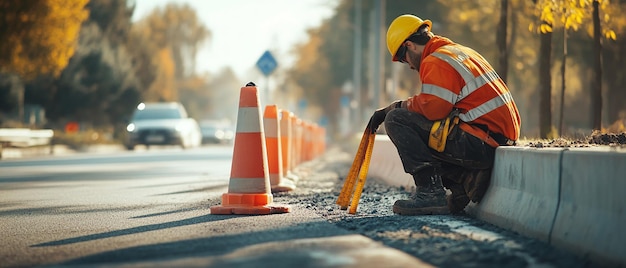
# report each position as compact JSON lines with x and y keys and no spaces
{"x":266,"y":152}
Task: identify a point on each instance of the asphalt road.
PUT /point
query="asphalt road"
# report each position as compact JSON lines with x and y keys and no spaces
{"x":151,"y":208}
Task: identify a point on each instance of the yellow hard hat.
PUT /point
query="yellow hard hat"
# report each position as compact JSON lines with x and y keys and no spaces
{"x":400,"y":29}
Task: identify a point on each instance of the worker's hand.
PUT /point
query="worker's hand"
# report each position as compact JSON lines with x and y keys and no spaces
{"x":377,"y":118}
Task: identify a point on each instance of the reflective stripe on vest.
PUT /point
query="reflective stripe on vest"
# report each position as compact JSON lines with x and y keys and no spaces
{"x":440,"y":92}
{"x":486,"y":107}
{"x":472,"y":84}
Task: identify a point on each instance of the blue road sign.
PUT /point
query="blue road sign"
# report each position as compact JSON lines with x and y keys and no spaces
{"x":345,"y":101}
{"x":302,"y":103}
{"x":267,"y":63}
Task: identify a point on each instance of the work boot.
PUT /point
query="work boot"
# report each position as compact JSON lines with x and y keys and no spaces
{"x":452,"y":179}
{"x":458,"y":200}
{"x":429,"y":199}
{"x":476,"y":183}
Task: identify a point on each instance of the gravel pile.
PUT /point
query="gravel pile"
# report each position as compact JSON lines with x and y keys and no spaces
{"x":595,"y":139}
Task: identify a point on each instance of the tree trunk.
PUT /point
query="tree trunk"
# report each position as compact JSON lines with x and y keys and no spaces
{"x":501,"y":36}
{"x":545,"y":85}
{"x":596,"y":86}
{"x":563,"y":64}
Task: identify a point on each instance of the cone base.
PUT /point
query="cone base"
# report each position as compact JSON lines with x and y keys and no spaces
{"x":248,"y":204}
{"x":292,"y":176}
{"x":285,"y":185}
{"x":247,"y":200}
{"x":258,"y":210}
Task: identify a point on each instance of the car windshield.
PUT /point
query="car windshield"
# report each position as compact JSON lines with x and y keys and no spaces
{"x":157,"y":113}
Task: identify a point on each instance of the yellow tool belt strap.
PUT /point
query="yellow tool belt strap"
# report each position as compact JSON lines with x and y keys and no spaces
{"x":439,"y":132}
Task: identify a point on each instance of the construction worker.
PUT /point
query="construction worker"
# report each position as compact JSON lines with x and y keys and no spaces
{"x":446,"y":135}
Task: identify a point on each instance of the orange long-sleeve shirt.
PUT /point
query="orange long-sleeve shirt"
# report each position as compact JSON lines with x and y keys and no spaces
{"x":456,"y":77}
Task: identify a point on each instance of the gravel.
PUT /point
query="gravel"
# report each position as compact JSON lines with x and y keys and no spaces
{"x":594,"y":140}
{"x":444,"y":241}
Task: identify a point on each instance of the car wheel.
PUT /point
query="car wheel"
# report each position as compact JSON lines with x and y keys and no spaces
{"x":130,"y":147}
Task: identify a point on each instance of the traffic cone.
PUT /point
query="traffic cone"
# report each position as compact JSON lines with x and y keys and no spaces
{"x":249,"y":185}
{"x":297,"y":127}
{"x":307,"y":140}
{"x":274,"y":150}
{"x":322,"y":136}
{"x":286,"y":143}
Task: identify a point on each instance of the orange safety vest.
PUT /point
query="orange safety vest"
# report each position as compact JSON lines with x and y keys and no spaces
{"x":457,"y":77}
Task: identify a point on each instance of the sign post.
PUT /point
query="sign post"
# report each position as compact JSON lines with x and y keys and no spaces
{"x":266,"y":64}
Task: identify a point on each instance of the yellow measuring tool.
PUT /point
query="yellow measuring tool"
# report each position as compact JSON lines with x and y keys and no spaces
{"x":359,"y":168}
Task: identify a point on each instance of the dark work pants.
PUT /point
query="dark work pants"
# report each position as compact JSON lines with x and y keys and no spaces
{"x":464,"y":158}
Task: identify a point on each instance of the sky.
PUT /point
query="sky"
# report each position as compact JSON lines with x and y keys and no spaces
{"x":242,"y":30}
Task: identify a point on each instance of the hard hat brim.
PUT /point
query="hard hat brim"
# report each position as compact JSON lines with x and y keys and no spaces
{"x":430,"y":26}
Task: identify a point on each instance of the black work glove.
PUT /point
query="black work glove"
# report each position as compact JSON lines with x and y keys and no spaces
{"x":379,"y":116}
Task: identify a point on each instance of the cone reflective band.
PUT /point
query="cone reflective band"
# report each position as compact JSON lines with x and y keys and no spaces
{"x":249,"y":186}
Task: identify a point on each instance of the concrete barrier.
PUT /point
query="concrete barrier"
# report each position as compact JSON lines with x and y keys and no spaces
{"x":24,"y":138}
{"x":386,"y":164}
{"x":523,"y":194}
{"x":592,"y":208}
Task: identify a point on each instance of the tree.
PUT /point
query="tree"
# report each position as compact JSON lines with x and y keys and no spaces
{"x":613,"y":58}
{"x":178,"y":28}
{"x":103,"y":81}
{"x":176,"y":33}
{"x":38,"y":37}
{"x":571,"y":14}
{"x":501,"y":40}
{"x":545,"y":85}
{"x":164,"y":87}
{"x":596,"y":84}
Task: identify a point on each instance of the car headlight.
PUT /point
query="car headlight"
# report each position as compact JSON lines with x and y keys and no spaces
{"x":131,"y":127}
{"x":219,"y":134}
{"x":180,"y":128}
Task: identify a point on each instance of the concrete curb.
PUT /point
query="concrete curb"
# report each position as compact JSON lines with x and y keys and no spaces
{"x":523,"y":194}
{"x":386,"y":164}
{"x":570,"y":198}
{"x":592,"y":208}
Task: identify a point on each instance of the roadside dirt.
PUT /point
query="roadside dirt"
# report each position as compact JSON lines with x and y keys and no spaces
{"x":595,"y":139}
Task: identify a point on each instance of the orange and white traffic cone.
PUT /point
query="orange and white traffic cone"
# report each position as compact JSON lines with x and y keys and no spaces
{"x":274,"y":150}
{"x":307,"y":140}
{"x":297,"y":126}
{"x":249,"y":186}
{"x":322,"y":141}
{"x":286,"y":143}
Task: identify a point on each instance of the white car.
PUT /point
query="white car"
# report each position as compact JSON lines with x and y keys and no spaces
{"x":216,"y":132}
{"x":162,"y":123}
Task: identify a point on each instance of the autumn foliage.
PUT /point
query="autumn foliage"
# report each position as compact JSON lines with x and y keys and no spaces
{"x":39,"y":37}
